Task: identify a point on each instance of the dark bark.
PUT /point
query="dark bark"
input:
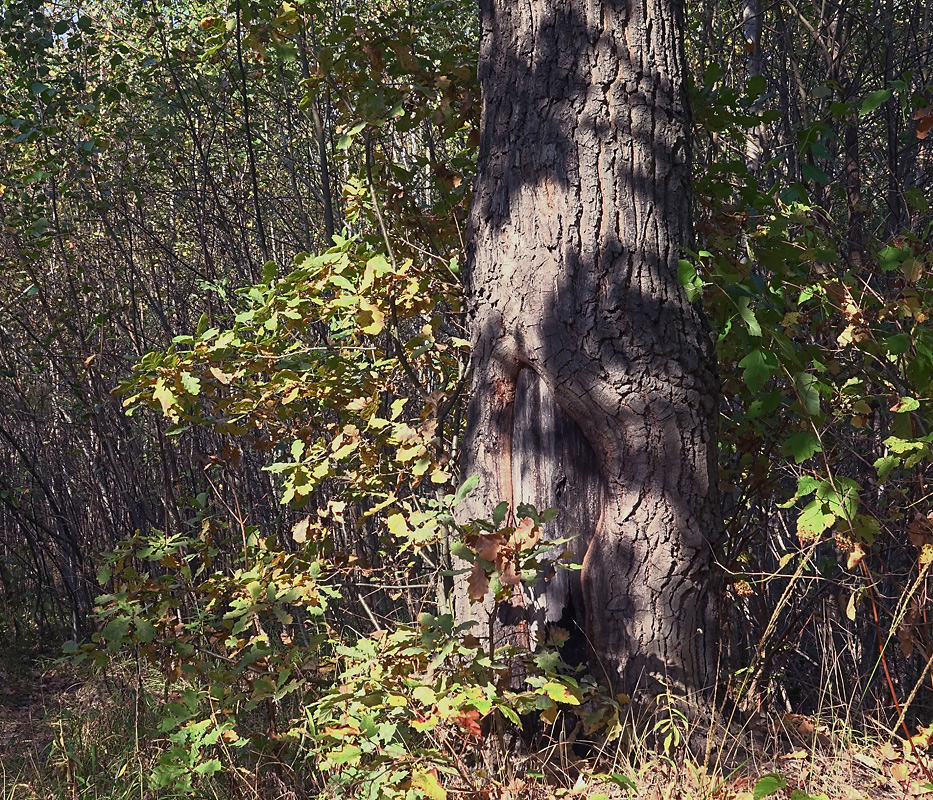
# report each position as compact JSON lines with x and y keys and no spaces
{"x":591,"y":369}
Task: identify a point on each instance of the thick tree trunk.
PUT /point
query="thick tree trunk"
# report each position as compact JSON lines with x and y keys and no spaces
{"x":594,"y":380}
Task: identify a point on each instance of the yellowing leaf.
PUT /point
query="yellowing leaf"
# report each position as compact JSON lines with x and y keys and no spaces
{"x":370,"y":319}
{"x":912,"y":269}
{"x":224,"y":377}
{"x":853,"y":333}
{"x":165,"y":398}
{"x":439,"y":475}
{"x":428,"y":783}
{"x":850,"y":606}
{"x":560,"y":693}
{"x":424,"y":695}
{"x":926,"y":555}
{"x":900,"y":771}
{"x":905,"y":404}
{"x":397,"y":525}
{"x":922,"y":738}
{"x":527,"y":534}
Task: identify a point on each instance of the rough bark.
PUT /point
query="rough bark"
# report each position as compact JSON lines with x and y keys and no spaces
{"x":594,"y":381}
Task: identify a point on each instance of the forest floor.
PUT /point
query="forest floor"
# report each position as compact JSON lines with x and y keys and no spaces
{"x":58,"y":729}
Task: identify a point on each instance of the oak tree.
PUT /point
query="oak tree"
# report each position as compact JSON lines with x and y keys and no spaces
{"x":594,"y":386}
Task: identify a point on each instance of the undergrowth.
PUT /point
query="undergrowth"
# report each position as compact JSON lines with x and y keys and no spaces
{"x":86,"y":732}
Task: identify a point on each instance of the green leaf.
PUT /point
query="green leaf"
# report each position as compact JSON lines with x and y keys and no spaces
{"x":884,"y":465}
{"x":349,"y":752}
{"x":813,"y":173}
{"x":807,"y":393}
{"x":712,"y":73}
{"x":767,"y":786}
{"x":898,"y":343}
{"x":803,"y":445}
{"x":842,"y":498}
{"x":799,"y":794}
{"x":747,"y":314}
{"x":465,"y":488}
{"x":891,"y":257}
{"x":813,"y":520}
{"x":758,"y":367}
{"x":560,"y":693}
{"x":145,"y":632}
{"x":692,"y":283}
{"x":874,"y":100}
{"x":116,"y":629}
{"x":460,"y":550}
{"x":209,"y":767}
{"x":191,"y":384}
{"x":755,"y":87}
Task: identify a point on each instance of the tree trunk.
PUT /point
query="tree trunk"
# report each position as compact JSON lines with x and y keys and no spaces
{"x":594,"y":379}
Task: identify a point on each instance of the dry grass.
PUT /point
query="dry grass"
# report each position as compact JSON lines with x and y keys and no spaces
{"x":66,"y":734}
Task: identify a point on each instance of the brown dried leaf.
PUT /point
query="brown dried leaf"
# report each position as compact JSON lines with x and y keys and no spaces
{"x":300,"y":530}
{"x":924,"y":117}
{"x":922,"y":738}
{"x":509,"y":577}
{"x":905,"y":631}
{"x":889,"y":752}
{"x":849,"y":792}
{"x":905,"y":641}
{"x":487,"y":547}
{"x":856,"y":554}
{"x":478,"y":584}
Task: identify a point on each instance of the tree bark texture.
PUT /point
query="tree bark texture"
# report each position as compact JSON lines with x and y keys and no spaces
{"x":594,"y":385}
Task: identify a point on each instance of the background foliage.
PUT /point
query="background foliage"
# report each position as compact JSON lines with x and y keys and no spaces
{"x":232,"y":363}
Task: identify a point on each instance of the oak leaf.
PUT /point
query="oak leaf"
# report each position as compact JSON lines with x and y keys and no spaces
{"x":527,"y":534}
{"x":487,"y":547}
{"x":477,"y":584}
{"x":300,"y":530}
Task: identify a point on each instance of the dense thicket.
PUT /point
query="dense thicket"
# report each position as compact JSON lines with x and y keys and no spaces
{"x":233,"y":361}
